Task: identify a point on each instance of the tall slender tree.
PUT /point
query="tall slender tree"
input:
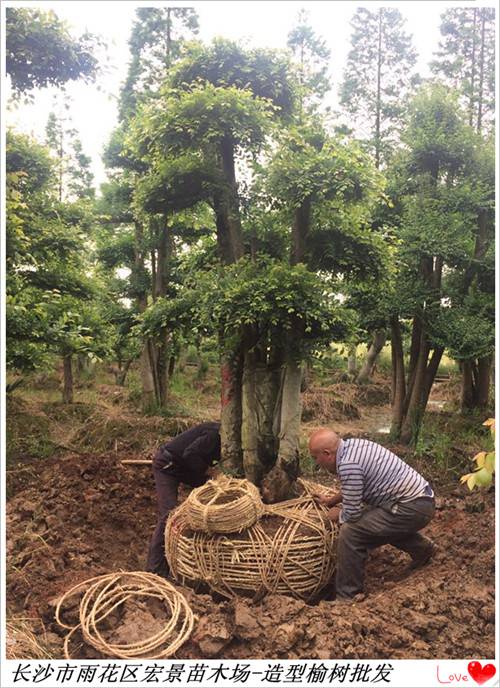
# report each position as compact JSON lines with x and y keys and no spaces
{"x":378,"y":77}
{"x":465,"y":60}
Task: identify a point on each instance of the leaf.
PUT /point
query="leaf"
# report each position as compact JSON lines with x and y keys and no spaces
{"x":471,"y":482}
{"x":479,"y":459}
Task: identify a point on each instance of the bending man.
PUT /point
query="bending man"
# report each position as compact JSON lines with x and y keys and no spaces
{"x":398,"y":503}
{"x":187,"y":458}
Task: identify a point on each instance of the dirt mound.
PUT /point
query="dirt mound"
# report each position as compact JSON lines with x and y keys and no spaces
{"x":327,"y":404}
{"x":85,"y":515}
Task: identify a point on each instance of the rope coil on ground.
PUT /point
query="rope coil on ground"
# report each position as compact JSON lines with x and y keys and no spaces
{"x":289,"y":550}
{"x":103,"y":595}
{"x":224,"y":505}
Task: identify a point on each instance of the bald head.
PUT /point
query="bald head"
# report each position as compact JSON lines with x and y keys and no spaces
{"x":323,"y":445}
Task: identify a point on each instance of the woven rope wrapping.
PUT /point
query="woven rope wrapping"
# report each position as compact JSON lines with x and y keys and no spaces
{"x":290,"y":550}
{"x":225,"y":505}
{"x":103,"y":594}
{"x":311,"y":488}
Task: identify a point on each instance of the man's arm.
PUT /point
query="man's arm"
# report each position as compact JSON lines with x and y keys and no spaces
{"x":352,"y":481}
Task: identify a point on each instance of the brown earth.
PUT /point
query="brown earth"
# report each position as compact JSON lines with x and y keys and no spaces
{"x":82,"y":515}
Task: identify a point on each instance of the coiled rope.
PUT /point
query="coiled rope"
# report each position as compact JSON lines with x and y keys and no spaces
{"x":104,"y":594}
{"x":224,"y":505}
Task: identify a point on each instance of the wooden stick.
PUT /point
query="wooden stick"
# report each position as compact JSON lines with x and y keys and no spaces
{"x":137,"y":461}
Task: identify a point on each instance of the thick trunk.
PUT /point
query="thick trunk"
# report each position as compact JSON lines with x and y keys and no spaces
{"x":291,"y":412}
{"x":300,"y":231}
{"x":366,"y":370}
{"x":67,"y":379}
{"x":483,"y":381}
{"x":414,"y":413}
{"x":399,"y":387}
{"x":277,"y":483}
{"x":228,"y":214}
{"x":250,"y":421}
{"x":231,"y":413}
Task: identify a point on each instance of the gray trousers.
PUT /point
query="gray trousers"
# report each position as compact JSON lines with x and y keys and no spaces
{"x":379,"y":526}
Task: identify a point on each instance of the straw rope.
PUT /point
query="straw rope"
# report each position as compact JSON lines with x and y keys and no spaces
{"x":103,"y":594}
{"x":311,"y":488}
{"x":290,"y":550}
{"x":224,"y":505}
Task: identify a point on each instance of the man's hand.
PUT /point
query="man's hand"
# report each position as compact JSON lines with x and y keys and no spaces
{"x":321,"y":499}
{"x":334,"y":513}
{"x":328,"y":500}
{"x":213,"y":472}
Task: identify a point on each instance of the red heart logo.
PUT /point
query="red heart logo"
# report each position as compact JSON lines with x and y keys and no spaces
{"x":479,"y":673}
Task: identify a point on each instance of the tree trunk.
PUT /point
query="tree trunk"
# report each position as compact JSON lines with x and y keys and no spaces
{"x":414,"y":413}
{"x":67,"y":379}
{"x":351,"y":360}
{"x":431,"y":372}
{"x":231,"y":413}
{"x":250,"y":421}
{"x":378,"y":100}
{"x":483,"y":381}
{"x":122,"y":374}
{"x":399,"y":386}
{"x":300,"y":231}
{"x":277,"y":483}
{"x":473,"y":71}
{"x":481,"y":75}
{"x":378,"y":342}
{"x":162,"y":346}
{"x":467,"y":386}
{"x":148,"y":396}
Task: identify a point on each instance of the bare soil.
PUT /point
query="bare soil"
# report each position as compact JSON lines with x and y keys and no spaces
{"x":80,"y":515}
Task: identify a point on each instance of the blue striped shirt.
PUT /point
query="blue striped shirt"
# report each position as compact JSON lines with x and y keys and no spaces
{"x":372,"y":474}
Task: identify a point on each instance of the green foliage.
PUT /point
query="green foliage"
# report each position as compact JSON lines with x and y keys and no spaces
{"x":225,"y":64}
{"x":274,"y":297}
{"x":485,"y":461}
{"x":40,"y":51}
{"x":200,"y":118}
{"x":49,"y":285}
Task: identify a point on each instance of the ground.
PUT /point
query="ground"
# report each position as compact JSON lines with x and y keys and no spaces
{"x":79,"y":514}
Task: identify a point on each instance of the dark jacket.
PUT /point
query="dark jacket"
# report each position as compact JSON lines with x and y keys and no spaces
{"x":188,"y":455}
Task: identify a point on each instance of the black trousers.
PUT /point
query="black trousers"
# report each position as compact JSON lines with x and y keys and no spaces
{"x":378,"y":526}
{"x":167,"y":487}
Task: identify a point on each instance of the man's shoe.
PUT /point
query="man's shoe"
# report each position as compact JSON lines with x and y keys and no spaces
{"x":423,"y":557}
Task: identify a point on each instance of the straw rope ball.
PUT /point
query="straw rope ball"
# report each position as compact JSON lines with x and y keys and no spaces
{"x":224,"y":505}
{"x":103,"y":595}
{"x":290,"y":550}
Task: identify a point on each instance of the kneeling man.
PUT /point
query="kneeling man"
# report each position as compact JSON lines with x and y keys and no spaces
{"x":398,"y":503}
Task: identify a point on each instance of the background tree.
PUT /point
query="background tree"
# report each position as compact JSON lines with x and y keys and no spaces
{"x":49,"y":284}
{"x":466,"y":60}
{"x":155,"y":43}
{"x":72,"y":166}
{"x":438,"y":205}
{"x":312,"y":56}
{"x":377,"y":78}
